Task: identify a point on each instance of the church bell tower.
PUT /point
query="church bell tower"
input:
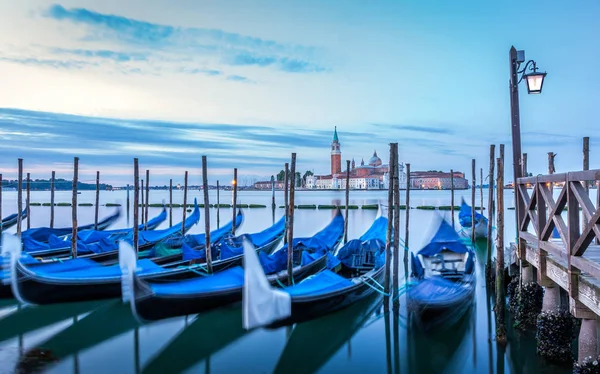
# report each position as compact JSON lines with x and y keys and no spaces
{"x":336,"y":154}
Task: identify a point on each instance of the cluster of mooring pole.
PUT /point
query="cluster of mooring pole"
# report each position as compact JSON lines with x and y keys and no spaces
{"x":290,"y":217}
{"x":392,"y":248}
{"x":206,"y":215}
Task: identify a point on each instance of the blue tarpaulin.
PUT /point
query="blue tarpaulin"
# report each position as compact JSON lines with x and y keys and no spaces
{"x":444,"y":239}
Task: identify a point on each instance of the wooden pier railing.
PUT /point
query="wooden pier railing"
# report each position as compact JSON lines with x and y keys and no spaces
{"x":571,"y":261}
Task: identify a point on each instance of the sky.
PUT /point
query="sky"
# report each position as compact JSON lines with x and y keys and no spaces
{"x":247,"y":83}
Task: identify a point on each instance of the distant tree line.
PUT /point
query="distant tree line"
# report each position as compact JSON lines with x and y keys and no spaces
{"x":300,"y":179}
{"x":59,"y":185}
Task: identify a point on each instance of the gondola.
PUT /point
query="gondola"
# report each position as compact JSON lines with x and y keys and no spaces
{"x":86,"y":237}
{"x":362,"y":269}
{"x":443,"y":276}
{"x":12,"y":220}
{"x":152,"y":301}
{"x":41,"y":234}
{"x":106,"y":249}
{"x":464,"y":217}
{"x":83,"y":279}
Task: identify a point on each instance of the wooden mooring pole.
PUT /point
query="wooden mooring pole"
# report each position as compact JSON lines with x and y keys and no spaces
{"x":234,"y":205}
{"x":74,"y":206}
{"x":290,"y":232}
{"x":136,"y":200}
{"x":206,"y":214}
{"x":286,"y":198}
{"x":218,"y":206}
{"x":452,"y":196}
{"x":170,"y":202}
{"x":500,"y":298}
{"x":52,"y":199}
{"x":473,"y":183}
{"x":488,"y":261}
{"x":28,"y":200}
{"x":586,"y":166}
{"x":19,"y":196}
{"x":396,"y":254}
{"x":142,"y":205}
{"x":97,"y":205}
{"x":390,"y":228}
{"x":128,"y":187}
{"x":147,"y":199}
{"x":481,"y":190}
{"x":347,"y":200}
{"x":407,"y":223}
{"x":185,"y":187}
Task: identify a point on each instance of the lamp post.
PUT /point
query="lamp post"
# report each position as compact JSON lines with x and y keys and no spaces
{"x":535,"y":81}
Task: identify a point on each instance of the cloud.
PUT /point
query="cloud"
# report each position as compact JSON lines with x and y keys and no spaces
{"x":231,"y":49}
{"x":425,"y":129}
{"x":239,"y":78}
{"x":105,"y":54}
{"x":56,"y":64}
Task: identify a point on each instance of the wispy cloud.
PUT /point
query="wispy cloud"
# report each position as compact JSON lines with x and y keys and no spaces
{"x":56,"y":64}
{"x":231,"y":49}
{"x":239,"y":78}
{"x":110,"y":55}
{"x":425,"y":129}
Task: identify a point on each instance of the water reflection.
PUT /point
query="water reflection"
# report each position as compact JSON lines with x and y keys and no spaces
{"x":207,"y":334}
{"x":111,"y":319}
{"x":311,"y":344}
{"x":103,"y":337}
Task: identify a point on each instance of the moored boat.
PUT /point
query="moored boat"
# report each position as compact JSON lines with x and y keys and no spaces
{"x":12,"y":220}
{"x":464,"y":217}
{"x":152,"y":301}
{"x":84,"y":279}
{"x":41,"y":234}
{"x":361,"y":272}
{"x":443,"y":275}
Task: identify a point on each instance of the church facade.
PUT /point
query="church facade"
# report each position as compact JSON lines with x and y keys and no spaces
{"x":371,"y":176}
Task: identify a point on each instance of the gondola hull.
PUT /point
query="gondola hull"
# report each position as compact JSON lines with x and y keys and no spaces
{"x":48,"y":290}
{"x":309,"y":307}
{"x":149,"y":306}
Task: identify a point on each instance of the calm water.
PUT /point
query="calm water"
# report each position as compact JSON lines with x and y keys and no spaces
{"x":103,"y":337}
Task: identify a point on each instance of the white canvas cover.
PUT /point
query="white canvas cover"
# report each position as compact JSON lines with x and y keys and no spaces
{"x":261,"y":303}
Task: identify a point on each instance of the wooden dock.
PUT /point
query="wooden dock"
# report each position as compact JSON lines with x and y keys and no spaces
{"x":572,"y":261}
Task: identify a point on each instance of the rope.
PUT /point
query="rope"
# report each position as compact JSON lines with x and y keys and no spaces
{"x":376,"y":289}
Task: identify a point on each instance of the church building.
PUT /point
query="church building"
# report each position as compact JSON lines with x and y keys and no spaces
{"x":373,"y":175}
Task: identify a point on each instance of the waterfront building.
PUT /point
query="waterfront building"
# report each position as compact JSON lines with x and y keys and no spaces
{"x":370,"y":176}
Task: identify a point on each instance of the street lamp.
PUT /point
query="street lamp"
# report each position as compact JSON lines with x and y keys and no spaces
{"x":535,"y":82}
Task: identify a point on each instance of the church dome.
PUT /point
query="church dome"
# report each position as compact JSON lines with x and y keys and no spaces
{"x":375,"y":161}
